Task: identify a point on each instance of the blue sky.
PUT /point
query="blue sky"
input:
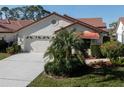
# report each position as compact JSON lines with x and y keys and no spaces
{"x":108,"y":13}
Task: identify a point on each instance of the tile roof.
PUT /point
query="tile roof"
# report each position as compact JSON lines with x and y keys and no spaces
{"x":88,"y":35}
{"x":97,"y":22}
{"x":9,"y":26}
{"x":102,"y":27}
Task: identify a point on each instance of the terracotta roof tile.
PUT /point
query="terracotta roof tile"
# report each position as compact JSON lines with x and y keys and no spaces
{"x":13,"y":26}
{"x":97,"y":22}
{"x":88,"y":35}
{"x":90,"y":22}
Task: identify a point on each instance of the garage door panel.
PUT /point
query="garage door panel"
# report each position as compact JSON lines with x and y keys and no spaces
{"x":36,"y":45}
{"x":39,"y":46}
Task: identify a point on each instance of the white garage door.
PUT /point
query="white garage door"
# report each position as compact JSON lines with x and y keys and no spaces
{"x":35,"y":45}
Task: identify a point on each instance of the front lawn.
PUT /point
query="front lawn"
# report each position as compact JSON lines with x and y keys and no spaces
{"x":110,"y":78}
{"x":4,"y":55}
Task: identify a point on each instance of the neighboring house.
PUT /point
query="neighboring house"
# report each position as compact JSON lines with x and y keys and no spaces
{"x":8,"y":28}
{"x":120,"y":30}
{"x":35,"y":36}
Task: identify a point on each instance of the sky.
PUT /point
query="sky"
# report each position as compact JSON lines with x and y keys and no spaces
{"x":109,"y":13}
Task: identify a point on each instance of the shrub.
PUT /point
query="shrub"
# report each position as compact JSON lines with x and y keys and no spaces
{"x":95,"y":51}
{"x":13,"y":49}
{"x":115,"y":51}
{"x":106,"y":39}
{"x":10,"y":50}
{"x":54,"y":68}
{"x":103,"y":70}
{"x":10,"y":43}
{"x":100,"y":63}
{"x":3,"y":45}
{"x":17,"y":48}
{"x":122,"y":51}
{"x":71,"y":68}
{"x":119,"y":61}
{"x":111,"y":50}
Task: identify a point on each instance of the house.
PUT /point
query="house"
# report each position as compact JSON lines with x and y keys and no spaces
{"x":120,"y":30}
{"x":8,"y":28}
{"x":35,"y":36}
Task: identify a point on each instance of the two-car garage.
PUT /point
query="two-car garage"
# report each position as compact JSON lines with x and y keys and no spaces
{"x":36,"y":43}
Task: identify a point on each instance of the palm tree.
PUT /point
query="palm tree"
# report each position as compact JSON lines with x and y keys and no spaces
{"x":6,"y":11}
{"x":63,"y":45}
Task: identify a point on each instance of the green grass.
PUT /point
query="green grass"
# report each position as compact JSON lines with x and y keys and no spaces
{"x":4,"y":55}
{"x":114,"y":78}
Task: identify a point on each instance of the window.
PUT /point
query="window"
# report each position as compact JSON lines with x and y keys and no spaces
{"x":53,"y":21}
{"x":39,"y":37}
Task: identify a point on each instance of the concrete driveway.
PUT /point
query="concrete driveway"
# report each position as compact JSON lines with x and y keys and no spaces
{"x":20,"y":69}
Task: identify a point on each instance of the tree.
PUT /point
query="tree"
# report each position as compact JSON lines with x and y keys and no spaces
{"x":112,"y":30}
{"x":32,"y":12}
{"x":36,"y":12}
{"x":1,"y":15}
{"x":64,"y":55}
{"x":23,"y":12}
{"x":6,"y":11}
{"x":14,"y":14}
{"x":64,"y":45}
{"x":113,"y":25}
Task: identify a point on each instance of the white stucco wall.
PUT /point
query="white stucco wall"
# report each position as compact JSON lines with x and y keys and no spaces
{"x":119,"y":32}
{"x":81,"y":28}
{"x":8,"y":36}
{"x":44,"y":28}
